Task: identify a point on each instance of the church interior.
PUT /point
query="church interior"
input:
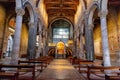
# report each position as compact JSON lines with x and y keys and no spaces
{"x":59,"y":39}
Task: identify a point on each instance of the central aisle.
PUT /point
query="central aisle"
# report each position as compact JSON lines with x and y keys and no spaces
{"x":60,"y":69}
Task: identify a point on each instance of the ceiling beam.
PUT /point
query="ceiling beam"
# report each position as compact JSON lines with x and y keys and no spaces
{"x":68,"y":3}
{"x":54,"y":8}
{"x":114,"y":2}
{"x":7,"y":0}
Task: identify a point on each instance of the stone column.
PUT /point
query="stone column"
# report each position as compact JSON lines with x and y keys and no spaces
{"x":81,"y":53}
{"x":38,"y":54}
{"x":16,"y":42}
{"x":77,"y":46}
{"x":44,"y":39}
{"x":89,"y":46}
{"x":32,"y":41}
{"x":105,"y":45}
{"x":91,"y":42}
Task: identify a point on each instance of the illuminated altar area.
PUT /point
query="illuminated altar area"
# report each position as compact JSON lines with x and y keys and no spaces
{"x":60,"y":50}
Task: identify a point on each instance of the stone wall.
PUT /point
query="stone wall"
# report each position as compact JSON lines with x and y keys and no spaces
{"x":2,"y":25}
{"x":24,"y":40}
{"x":97,"y":40}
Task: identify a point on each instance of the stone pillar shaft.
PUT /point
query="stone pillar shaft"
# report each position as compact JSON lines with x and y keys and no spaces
{"x":77,"y":46}
{"x":17,"y":35}
{"x":89,"y":45}
{"x":44,"y":45}
{"x":81,"y":53}
{"x":105,"y":46}
{"x":32,"y":41}
{"x":39,"y":47}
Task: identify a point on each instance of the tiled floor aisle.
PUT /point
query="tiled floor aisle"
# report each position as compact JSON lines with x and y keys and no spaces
{"x":60,"y":69}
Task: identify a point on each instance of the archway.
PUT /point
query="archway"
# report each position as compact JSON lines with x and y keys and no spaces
{"x":60,"y":29}
{"x":10,"y":36}
{"x":32,"y":30}
{"x":60,"y":50}
{"x":9,"y":46}
{"x":93,"y":15}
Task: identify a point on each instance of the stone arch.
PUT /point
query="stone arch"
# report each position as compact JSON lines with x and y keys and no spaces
{"x":9,"y":46}
{"x":83,"y":4}
{"x":81,"y":20}
{"x":31,"y":11}
{"x":92,"y":9}
{"x":61,"y":18}
{"x":71,"y":27}
{"x":32,"y":32}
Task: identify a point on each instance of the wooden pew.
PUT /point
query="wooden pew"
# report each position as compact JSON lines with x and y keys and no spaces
{"x":18,"y":68}
{"x":45,"y":59}
{"x":6,"y":75}
{"x":40,"y":63}
{"x":113,"y":75}
{"x":83,"y":65}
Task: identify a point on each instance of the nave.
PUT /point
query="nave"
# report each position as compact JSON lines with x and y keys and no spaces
{"x":58,"y":69}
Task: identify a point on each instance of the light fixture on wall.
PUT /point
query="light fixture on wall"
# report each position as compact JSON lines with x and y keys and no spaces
{"x":70,"y":42}
{"x":37,"y":40}
{"x":11,"y":29}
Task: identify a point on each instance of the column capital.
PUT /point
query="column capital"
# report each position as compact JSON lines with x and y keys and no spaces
{"x":86,"y":12}
{"x":31,"y":24}
{"x":90,"y":26}
{"x":103,"y":13}
{"x":20,"y":11}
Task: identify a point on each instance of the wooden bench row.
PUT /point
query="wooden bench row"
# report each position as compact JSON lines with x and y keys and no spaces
{"x":14,"y":74}
{"x":96,"y":68}
{"x":40,"y":64}
{"x":109,"y":73}
{"x":24,"y":66}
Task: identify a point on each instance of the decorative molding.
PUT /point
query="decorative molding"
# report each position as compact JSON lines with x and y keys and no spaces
{"x":20,"y":11}
{"x":31,"y":24}
{"x":90,"y":26}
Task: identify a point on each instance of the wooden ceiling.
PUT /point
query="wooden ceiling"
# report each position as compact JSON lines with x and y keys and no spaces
{"x":61,"y":8}
{"x":7,"y":0}
{"x":114,"y":3}
{"x":64,"y":8}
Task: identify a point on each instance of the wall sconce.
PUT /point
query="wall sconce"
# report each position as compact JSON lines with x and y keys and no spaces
{"x":11,"y":29}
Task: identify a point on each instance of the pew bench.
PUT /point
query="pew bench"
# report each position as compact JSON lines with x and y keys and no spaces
{"x":41,"y":64}
{"x":83,"y":65}
{"x":108,"y":73}
{"x":17,"y":69}
{"x":6,"y":75}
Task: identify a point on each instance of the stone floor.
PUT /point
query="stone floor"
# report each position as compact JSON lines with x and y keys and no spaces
{"x":60,"y":69}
